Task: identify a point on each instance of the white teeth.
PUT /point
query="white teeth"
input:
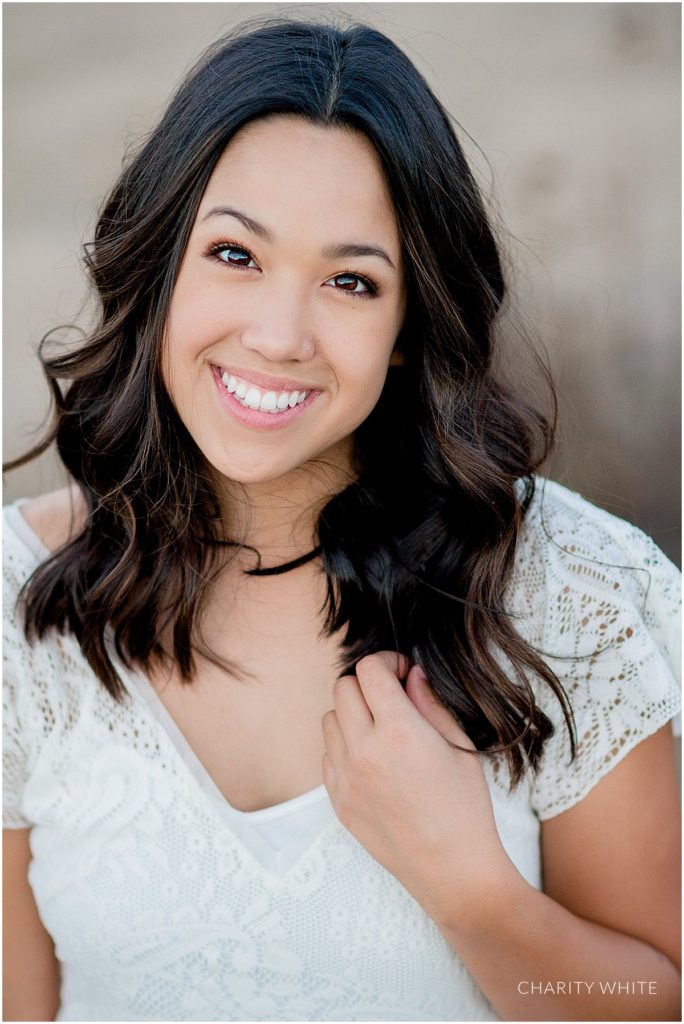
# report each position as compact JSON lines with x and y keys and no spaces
{"x":264,"y":401}
{"x":253,"y":398}
{"x":268,"y":402}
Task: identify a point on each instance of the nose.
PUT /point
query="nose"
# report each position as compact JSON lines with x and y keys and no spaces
{"x":280,"y":328}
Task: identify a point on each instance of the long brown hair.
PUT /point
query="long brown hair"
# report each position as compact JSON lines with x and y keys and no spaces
{"x":422,"y":569}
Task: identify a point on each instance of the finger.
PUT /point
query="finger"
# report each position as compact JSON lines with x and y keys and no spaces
{"x":329,"y":773}
{"x":423,"y":697}
{"x":335,"y":745}
{"x":353,"y":714}
{"x":378,"y":676}
{"x":397,"y":663}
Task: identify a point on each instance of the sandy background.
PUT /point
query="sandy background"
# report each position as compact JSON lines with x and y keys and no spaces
{"x":577,"y":109}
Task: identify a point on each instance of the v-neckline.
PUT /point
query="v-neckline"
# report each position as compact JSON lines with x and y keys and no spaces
{"x":195,"y":764}
{"x":240,"y":824}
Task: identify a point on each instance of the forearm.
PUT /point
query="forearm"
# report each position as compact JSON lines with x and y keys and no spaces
{"x":535,"y":960}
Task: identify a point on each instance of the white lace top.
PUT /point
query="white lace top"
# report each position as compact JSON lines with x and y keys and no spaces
{"x":167,"y":904}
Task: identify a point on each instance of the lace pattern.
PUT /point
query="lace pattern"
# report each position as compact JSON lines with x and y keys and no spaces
{"x":603,"y":604}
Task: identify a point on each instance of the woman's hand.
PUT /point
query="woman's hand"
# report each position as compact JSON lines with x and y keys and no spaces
{"x":420,"y":807}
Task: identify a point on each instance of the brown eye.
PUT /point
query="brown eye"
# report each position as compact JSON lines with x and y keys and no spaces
{"x":233,"y":255}
{"x":354,"y":284}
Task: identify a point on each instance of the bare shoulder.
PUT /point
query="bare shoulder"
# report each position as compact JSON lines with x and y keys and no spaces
{"x":57,"y":516}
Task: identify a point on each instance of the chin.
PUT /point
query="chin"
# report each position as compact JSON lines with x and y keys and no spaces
{"x":259,"y":471}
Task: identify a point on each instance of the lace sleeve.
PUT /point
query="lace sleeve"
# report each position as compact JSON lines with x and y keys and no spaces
{"x":15,"y":741}
{"x":28,"y":705}
{"x":14,"y":761}
{"x":611,"y":633}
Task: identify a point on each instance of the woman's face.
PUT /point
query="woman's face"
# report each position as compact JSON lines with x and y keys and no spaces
{"x":288,"y":302}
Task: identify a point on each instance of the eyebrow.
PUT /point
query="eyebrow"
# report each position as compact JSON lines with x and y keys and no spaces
{"x":330,"y":252}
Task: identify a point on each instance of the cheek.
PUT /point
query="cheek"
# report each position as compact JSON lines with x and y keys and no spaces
{"x":192,"y":327}
{"x":182,"y":343}
{"x":197,"y":315}
{"x":362,"y":372}
{"x":172,"y":375}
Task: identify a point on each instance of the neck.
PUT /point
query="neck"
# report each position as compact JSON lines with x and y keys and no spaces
{"x":278,"y":517}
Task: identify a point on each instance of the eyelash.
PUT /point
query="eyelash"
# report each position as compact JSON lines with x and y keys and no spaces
{"x":214,"y":253}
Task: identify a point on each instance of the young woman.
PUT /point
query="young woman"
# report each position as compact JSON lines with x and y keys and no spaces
{"x":319,"y":703}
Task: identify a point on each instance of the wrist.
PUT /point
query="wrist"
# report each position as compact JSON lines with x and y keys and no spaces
{"x":479,"y":907}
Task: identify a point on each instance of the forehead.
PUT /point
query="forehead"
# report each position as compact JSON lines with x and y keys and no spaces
{"x":286,"y":171}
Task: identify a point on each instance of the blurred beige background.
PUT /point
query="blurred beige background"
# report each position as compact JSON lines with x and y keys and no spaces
{"x":576,"y":107}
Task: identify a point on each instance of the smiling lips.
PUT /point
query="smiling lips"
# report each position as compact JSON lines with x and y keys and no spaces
{"x":253,"y":397}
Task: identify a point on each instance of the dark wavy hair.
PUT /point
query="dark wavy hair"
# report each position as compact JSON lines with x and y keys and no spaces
{"x":418,"y":549}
